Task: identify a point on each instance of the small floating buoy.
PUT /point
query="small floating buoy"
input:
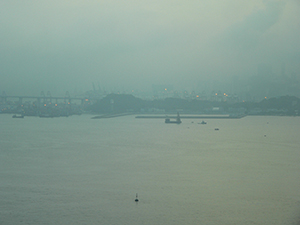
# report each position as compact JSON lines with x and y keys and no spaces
{"x":136,"y":198}
{"x":265,"y":135}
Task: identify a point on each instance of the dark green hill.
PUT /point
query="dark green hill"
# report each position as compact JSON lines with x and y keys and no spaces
{"x":118,"y":103}
{"x":121,"y":103}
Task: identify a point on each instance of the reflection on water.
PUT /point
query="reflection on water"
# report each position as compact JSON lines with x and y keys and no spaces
{"x":80,"y":171}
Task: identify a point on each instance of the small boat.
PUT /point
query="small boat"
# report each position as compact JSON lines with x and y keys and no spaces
{"x":216,"y":128}
{"x":203,"y":122}
{"x":15,"y":116}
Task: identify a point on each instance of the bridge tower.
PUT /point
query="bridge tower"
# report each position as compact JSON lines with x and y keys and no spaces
{"x":43,"y":96}
{"x":49,"y":96}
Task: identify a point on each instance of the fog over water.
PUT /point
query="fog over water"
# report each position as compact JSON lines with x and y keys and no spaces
{"x":61,"y":46}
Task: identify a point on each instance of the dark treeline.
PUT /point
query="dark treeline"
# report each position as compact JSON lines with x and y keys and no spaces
{"x":121,"y":103}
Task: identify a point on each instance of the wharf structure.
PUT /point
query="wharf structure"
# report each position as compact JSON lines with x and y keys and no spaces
{"x":44,"y":106}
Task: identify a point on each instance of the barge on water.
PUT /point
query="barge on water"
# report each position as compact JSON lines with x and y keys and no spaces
{"x":177,"y":121}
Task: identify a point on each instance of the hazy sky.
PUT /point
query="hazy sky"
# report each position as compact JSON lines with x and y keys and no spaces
{"x":63,"y":45}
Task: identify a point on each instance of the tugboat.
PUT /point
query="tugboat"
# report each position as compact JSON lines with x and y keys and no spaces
{"x":177,"y":121}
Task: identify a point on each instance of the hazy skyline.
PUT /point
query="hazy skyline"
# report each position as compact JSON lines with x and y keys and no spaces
{"x":61,"y":46}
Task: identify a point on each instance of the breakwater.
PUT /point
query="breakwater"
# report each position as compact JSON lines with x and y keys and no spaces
{"x":191,"y":116}
{"x":106,"y":116}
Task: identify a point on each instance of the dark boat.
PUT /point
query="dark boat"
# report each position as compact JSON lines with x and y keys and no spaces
{"x":177,"y":121}
{"x":203,"y":122}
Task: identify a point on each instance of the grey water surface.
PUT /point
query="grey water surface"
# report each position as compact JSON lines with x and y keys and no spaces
{"x":77,"y":170}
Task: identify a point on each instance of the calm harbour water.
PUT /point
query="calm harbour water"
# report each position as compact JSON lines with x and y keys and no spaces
{"x":77,"y":170}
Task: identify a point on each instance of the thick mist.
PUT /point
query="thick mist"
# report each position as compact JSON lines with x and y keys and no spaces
{"x":207,"y":45}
